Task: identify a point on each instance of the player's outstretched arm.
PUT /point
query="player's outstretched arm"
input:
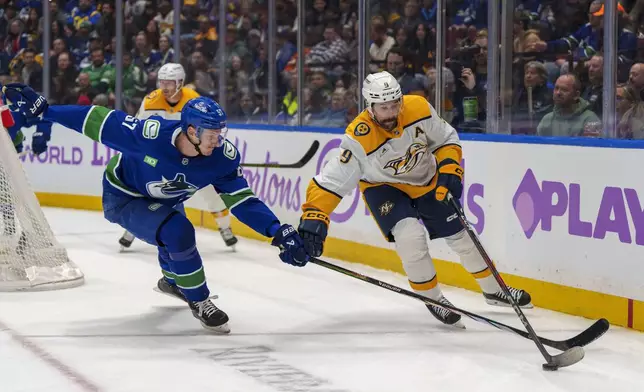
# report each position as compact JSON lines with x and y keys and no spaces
{"x":245,"y":206}
{"x":113,"y":128}
{"x":338,"y":178}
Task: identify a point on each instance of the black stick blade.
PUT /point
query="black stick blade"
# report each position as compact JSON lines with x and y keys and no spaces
{"x":297,"y":165}
{"x":586,"y":337}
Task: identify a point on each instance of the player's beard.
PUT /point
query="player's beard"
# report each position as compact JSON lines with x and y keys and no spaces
{"x":389,"y":123}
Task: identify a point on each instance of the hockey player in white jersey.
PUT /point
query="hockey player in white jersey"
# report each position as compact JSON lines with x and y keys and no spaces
{"x":405,"y":159}
{"x":168,"y":101}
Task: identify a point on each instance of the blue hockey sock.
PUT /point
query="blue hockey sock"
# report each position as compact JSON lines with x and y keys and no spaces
{"x":164,"y":263}
{"x":178,"y":236}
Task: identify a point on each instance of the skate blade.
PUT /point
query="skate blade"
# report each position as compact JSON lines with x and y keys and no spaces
{"x":501,"y":304}
{"x":220,"y":329}
{"x":459,"y":324}
{"x":215,"y":296}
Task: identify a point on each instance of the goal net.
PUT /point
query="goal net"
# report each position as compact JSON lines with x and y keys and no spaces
{"x":30,"y":257}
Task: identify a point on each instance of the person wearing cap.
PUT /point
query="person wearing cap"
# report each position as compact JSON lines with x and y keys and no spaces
{"x":587,"y":40}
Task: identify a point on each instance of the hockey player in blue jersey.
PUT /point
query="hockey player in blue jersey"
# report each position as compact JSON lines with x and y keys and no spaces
{"x":163,"y":163}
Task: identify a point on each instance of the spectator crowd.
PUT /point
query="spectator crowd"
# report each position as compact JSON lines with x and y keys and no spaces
{"x":557,"y":62}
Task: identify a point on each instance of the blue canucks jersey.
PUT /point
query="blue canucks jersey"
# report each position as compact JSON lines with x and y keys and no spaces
{"x":149,"y":164}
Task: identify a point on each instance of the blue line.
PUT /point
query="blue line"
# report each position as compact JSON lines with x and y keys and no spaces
{"x":477,"y":137}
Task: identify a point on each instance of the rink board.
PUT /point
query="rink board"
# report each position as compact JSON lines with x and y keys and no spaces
{"x":562,"y":221}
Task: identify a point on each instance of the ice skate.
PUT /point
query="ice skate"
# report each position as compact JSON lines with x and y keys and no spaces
{"x":521,"y":297}
{"x":211,"y":317}
{"x":126,"y":240}
{"x":228,"y":237}
{"x":445,"y":316}
{"x":167,"y":288}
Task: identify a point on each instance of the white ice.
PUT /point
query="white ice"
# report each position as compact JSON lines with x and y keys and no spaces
{"x":293,"y":329}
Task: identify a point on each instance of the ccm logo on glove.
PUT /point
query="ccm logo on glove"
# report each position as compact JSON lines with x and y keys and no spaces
{"x":315,"y":215}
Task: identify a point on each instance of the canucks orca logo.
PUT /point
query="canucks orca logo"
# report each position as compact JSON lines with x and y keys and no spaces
{"x":168,"y":189}
{"x":409,"y":161}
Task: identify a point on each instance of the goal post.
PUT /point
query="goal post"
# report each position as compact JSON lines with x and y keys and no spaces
{"x":31,"y":258}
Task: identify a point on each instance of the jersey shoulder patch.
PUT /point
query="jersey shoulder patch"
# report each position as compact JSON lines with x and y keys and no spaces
{"x":361,"y":129}
{"x":229,"y":150}
{"x":365,"y":132}
{"x":415,"y":109}
{"x":154,"y":101}
{"x":152,"y":95}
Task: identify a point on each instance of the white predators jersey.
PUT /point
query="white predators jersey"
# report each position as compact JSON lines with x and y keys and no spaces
{"x":405,"y":157}
{"x":154,"y":104}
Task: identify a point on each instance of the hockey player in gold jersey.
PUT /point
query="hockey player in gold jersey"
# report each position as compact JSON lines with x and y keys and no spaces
{"x":405,"y":159}
{"x":167,"y":101}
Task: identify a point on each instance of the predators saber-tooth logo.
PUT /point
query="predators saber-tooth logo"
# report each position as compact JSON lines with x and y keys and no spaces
{"x":409,"y":161}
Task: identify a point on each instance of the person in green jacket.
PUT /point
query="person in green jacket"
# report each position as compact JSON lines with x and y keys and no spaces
{"x":100,"y":73}
{"x":571,"y":115}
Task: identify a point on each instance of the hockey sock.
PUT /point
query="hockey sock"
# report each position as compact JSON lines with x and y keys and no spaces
{"x":178,"y":236}
{"x":473,"y":262}
{"x":222,"y":218}
{"x":413,"y":250}
{"x":164,"y":263}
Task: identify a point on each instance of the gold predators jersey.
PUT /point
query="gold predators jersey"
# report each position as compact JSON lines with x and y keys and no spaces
{"x":155,"y":104}
{"x":405,"y":157}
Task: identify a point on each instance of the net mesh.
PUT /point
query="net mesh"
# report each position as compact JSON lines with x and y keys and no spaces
{"x":30,"y":256}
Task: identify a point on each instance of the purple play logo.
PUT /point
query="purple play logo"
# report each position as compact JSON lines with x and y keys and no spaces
{"x":526,"y":203}
{"x":536,"y":204}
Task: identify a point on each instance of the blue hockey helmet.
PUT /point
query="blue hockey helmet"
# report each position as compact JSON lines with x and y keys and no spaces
{"x":203,"y":113}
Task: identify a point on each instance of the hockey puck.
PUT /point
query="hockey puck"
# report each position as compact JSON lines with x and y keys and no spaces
{"x":550,"y":367}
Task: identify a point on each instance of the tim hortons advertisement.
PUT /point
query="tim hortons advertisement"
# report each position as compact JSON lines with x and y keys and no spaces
{"x":561,"y":214}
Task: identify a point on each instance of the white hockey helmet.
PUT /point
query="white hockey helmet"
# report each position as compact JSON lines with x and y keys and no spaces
{"x":380,"y":87}
{"x":174,"y":72}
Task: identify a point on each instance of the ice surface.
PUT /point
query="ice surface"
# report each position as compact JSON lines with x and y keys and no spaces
{"x":293,"y":329}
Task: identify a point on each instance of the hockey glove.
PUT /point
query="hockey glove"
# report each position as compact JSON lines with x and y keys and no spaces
{"x":291,"y":246}
{"x":314,"y":226}
{"x":40,"y":138}
{"x":450,"y":179}
{"x":24,"y":99}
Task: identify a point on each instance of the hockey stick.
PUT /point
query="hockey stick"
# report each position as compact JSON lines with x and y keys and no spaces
{"x":587,"y":336}
{"x":553,"y":362}
{"x":299,"y":164}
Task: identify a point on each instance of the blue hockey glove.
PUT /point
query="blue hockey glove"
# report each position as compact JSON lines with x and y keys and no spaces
{"x":291,"y":246}
{"x":40,"y":138}
{"x":450,"y":178}
{"x":24,"y":99}
{"x":313,"y":230}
